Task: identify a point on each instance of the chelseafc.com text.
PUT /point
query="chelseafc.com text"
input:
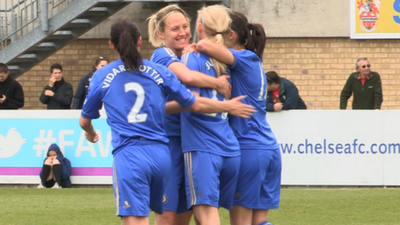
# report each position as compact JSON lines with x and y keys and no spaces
{"x":326,"y":147}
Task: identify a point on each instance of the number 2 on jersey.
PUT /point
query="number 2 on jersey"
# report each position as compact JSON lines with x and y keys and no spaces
{"x":134,"y":116}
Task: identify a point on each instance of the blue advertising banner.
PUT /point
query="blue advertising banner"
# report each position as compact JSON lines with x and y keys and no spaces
{"x":24,"y":143}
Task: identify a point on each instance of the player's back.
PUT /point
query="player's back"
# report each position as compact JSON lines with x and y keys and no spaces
{"x":134,"y":101}
{"x":248,"y":79}
{"x":207,"y":132}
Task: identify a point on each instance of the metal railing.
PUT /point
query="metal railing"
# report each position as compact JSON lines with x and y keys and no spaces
{"x":18,"y":17}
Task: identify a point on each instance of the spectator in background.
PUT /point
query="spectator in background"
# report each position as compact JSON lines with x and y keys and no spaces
{"x":282,"y":94}
{"x":56,"y":170}
{"x":11,"y":93}
{"x":364,"y":85}
{"x":58,"y":94}
{"x":83,"y":86}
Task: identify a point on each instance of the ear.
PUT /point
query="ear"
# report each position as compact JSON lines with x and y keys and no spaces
{"x":200,"y":30}
{"x":232,"y":35}
{"x":160,"y":34}
{"x":139,"y":43}
{"x":112,"y":47}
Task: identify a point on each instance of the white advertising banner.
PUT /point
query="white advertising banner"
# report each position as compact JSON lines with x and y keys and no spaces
{"x":338,"y":147}
{"x":319,"y":147}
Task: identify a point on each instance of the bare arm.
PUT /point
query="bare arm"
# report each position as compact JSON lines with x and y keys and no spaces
{"x":174,"y":107}
{"x":205,"y":105}
{"x":217,"y":51}
{"x":197,"y":79}
{"x":87,"y":126}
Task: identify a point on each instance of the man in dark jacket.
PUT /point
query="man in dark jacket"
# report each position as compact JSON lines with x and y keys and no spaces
{"x":56,"y":169}
{"x":11,"y":93}
{"x":282,"y":94}
{"x":58,"y":94}
{"x":365,"y":86}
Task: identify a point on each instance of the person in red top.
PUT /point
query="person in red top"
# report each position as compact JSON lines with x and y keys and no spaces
{"x":364,"y":85}
{"x":282,"y":94}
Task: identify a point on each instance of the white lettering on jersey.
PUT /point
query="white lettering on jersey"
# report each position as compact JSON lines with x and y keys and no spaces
{"x":144,"y":69}
{"x":152,"y":73}
{"x":110,"y":77}
{"x":209,"y":64}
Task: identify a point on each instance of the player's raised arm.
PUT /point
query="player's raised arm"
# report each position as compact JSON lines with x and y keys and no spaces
{"x":198,"y":79}
{"x":217,"y":51}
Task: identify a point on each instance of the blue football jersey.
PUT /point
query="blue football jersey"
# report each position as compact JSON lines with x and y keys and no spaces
{"x":209,"y":132}
{"x":248,"y":79}
{"x":166,"y":56}
{"x":134,"y":101}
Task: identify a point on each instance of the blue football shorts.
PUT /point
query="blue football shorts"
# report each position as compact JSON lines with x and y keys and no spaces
{"x":174,"y":193}
{"x":140,"y":173}
{"x":210,"y":179}
{"x":259,"y":183}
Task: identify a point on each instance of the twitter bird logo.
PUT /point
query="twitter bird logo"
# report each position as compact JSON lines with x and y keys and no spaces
{"x":10,"y":144}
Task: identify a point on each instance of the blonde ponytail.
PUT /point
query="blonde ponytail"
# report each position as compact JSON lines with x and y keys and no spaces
{"x":216,"y":22}
{"x":154,"y":39}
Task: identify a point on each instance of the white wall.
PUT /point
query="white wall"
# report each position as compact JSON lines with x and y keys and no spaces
{"x":280,"y":18}
{"x":295,"y":18}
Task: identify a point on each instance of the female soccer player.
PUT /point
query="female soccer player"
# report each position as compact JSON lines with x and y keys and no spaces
{"x":211,"y":150}
{"x":134,"y":95}
{"x":169,"y":32}
{"x":258,"y":188}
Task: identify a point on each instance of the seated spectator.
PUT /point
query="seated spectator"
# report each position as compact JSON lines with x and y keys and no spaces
{"x":83,"y":86}
{"x":282,"y":94}
{"x":365,"y":86}
{"x":56,"y":170}
{"x":11,"y":93}
{"x":58,"y":94}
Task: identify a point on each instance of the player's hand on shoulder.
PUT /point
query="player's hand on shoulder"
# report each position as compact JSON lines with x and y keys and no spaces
{"x":190,"y":48}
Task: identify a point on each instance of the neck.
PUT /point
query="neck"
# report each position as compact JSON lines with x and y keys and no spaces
{"x":238,"y":46}
{"x":178,"y":53}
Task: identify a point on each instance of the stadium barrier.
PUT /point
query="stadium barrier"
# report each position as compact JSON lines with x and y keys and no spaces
{"x":319,"y":147}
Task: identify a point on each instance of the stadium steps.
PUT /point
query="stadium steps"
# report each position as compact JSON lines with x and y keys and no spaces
{"x":23,"y":51}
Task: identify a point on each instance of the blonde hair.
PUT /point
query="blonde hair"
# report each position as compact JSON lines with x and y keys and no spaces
{"x":216,"y":21}
{"x":156,"y":23}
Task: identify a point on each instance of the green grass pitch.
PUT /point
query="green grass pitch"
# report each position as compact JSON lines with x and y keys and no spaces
{"x":299,"y":206}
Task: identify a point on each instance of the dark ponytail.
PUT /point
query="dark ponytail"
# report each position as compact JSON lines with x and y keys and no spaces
{"x":256,"y":39}
{"x":124,"y":36}
{"x":251,"y":35}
